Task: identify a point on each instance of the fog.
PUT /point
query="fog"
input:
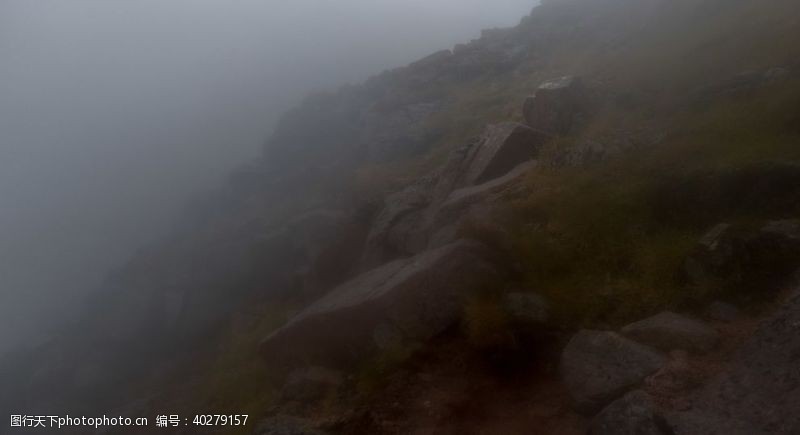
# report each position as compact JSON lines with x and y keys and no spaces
{"x":113,"y":114}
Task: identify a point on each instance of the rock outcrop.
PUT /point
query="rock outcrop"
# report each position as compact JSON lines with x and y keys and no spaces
{"x":599,"y":366}
{"x":557,"y":107}
{"x":406,"y":223}
{"x":401,"y":302}
{"x":669,"y":331}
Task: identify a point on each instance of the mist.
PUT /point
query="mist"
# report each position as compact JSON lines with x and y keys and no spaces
{"x":114,"y":114}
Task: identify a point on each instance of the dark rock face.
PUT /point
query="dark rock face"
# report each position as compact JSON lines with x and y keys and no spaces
{"x":759,"y":392}
{"x":742,"y":257}
{"x":557,"y":106}
{"x":598,"y":367}
{"x":633,"y":414}
{"x":669,"y":331}
{"x":406,"y":300}
{"x":404,"y":226}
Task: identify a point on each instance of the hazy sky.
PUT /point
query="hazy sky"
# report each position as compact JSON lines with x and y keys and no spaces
{"x":114,"y":112}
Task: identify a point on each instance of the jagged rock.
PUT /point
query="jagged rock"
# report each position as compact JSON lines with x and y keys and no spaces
{"x":406,"y":223}
{"x":744,"y":257}
{"x":669,"y":331}
{"x":310,"y":384}
{"x":722,"y":311}
{"x":285,"y":425}
{"x":557,"y":106}
{"x":599,"y":366}
{"x":417,"y":298}
{"x":472,"y":204}
{"x":633,"y":414}
{"x":526,"y":308}
{"x":758,"y":392}
{"x":502,"y":148}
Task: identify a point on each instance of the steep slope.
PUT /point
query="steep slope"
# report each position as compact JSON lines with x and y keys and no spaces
{"x":591,"y":194}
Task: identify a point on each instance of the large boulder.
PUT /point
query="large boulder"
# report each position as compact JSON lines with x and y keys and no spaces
{"x":402,"y":302}
{"x":474,"y":205}
{"x":501,"y":148}
{"x":633,"y":414}
{"x":406,"y":223}
{"x":557,"y":106}
{"x":599,"y":366}
{"x":669,"y":331}
{"x":758,"y":391}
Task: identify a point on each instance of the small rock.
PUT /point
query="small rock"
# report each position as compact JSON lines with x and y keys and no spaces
{"x":668,"y":331}
{"x":633,"y":414}
{"x":722,"y":312}
{"x":600,"y":366}
{"x":312,"y":383}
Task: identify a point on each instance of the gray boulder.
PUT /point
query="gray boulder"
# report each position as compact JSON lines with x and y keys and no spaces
{"x":599,"y":366}
{"x":502,"y":148}
{"x":633,"y":414}
{"x":415,"y":299}
{"x":557,"y":106}
{"x":669,"y":331}
{"x":406,"y":223}
{"x":758,"y":391}
{"x":473,"y":204}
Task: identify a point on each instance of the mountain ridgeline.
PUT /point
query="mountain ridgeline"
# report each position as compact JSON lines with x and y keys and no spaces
{"x":602,"y":161}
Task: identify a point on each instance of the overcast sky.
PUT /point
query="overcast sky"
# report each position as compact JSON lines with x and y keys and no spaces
{"x":114,"y":112}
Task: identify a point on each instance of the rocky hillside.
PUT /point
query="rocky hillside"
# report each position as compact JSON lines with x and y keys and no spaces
{"x":571,"y":225}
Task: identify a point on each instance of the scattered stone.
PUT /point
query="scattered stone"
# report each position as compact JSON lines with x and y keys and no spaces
{"x":668,"y":331}
{"x":633,"y":414}
{"x":416,"y":298}
{"x":599,"y":366}
{"x":722,"y":312}
{"x":557,"y":106}
{"x":310,"y":384}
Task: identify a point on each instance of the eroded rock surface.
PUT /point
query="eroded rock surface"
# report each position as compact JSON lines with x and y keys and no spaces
{"x":406,"y":300}
{"x":600,"y":366}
